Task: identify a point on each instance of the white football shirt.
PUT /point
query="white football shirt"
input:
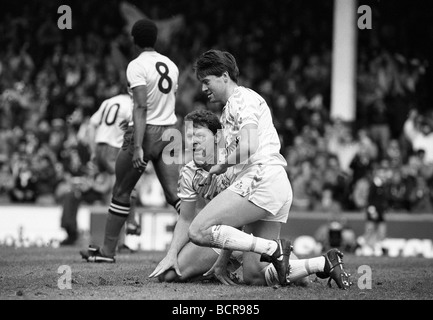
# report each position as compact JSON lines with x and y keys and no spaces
{"x":243,"y":107}
{"x":191,"y":183}
{"x":160,"y":76}
{"x":108,"y":117}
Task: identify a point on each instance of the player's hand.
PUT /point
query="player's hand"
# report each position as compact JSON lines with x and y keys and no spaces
{"x":215,"y":170}
{"x":169,"y":262}
{"x":219,"y":271}
{"x":137,"y":159}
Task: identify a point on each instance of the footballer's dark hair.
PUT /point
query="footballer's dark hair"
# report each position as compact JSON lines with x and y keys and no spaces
{"x":204,"y":118}
{"x":215,"y":63}
{"x":144,"y":33}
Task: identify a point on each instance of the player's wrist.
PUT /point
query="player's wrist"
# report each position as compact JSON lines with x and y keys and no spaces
{"x":172,"y":252}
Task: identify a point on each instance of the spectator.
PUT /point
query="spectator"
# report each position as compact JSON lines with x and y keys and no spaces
{"x":6,"y":182}
{"x":361,"y":166}
{"x":25,"y":181}
{"x":359,"y":196}
{"x":420,"y":196}
{"x":394,"y":154}
{"x":342,"y":144}
{"x":379,"y":129}
{"x":420,"y":134}
{"x":44,"y":80}
{"x":302,"y":199}
{"x":398,"y":192}
{"x":338,"y":179}
{"x":46,"y":178}
{"x":327,"y":203}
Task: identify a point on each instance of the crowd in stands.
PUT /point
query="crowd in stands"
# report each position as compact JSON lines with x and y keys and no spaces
{"x":52,"y":80}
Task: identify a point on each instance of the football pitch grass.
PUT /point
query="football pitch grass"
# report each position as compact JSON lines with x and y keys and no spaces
{"x":43,"y":273}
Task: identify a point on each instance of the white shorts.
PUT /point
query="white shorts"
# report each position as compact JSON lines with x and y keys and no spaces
{"x":268,"y":187}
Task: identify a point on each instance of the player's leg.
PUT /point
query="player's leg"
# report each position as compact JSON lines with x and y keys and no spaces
{"x":255,"y":271}
{"x":132,"y":225}
{"x":227,"y":212}
{"x":298,"y":271}
{"x":329,"y":265}
{"x":303,"y":280}
{"x":258,"y":193}
{"x":217,"y":226}
{"x":193,"y":262}
{"x":105,"y":159}
{"x":106,"y":156}
{"x":168,"y":176}
{"x":126,"y":179}
{"x":260,"y":273}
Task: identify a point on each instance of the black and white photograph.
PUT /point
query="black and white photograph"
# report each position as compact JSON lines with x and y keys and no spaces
{"x":216,"y":158}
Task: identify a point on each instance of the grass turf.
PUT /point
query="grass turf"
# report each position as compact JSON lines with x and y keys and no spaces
{"x":33,"y":274}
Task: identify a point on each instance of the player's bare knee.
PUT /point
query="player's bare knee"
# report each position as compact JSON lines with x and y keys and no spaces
{"x":196,"y":234}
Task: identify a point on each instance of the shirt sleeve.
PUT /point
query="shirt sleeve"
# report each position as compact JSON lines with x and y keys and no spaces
{"x":135,"y":75}
{"x":185,"y":190}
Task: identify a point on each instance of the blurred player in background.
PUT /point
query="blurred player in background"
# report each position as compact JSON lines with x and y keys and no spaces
{"x":377,"y":205}
{"x":186,"y":261}
{"x":106,"y":130}
{"x":104,"y":136}
{"x":153,"y":79}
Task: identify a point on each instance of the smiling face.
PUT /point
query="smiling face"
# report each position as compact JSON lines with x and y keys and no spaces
{"x":215,"y":87}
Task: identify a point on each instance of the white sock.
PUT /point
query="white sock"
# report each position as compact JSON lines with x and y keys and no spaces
{"x":298,"y":269}
{"x":226,"y":237}
{"x":316,"y":264}
{"x":304,"y":267}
